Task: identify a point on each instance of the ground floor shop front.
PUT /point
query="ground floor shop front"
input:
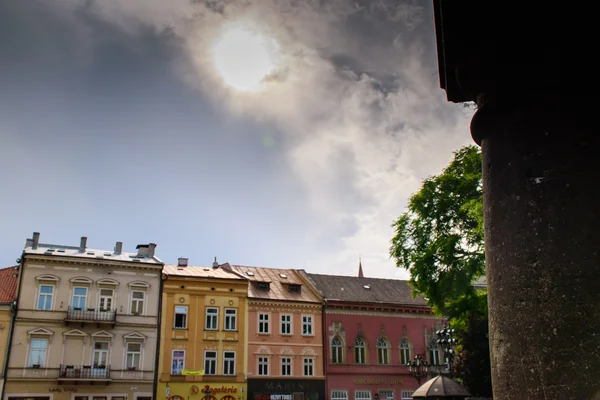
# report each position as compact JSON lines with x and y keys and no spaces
{"x":370,"y":387}
{"x":286,"y":389}
{"x":26,"y":390}
{"x":196,"y":390}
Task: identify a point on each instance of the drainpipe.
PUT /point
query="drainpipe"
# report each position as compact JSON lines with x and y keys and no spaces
{"x":14,"y":309}
{"x":325,"y":347}
{"x":158,"y":336}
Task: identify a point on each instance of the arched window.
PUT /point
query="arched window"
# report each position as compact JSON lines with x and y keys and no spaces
{"x":360,"y":351}
{"x":337,"y":351}
{"x":383,"y":351}
{"x":404,"y":352}
{"x":434,"y":353}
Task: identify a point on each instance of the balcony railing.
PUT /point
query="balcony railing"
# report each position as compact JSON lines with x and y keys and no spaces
{"x":84,"y":372}
{"x":91,"y":315}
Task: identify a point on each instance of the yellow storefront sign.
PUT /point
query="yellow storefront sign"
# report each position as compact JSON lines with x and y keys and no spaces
{"x":192,"y":372}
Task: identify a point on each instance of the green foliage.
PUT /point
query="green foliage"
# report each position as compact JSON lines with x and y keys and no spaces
{"x":440,"y":238}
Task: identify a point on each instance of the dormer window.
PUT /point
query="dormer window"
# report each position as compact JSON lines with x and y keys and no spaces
{"x":294,"y":288}
{"x":263,"y":285}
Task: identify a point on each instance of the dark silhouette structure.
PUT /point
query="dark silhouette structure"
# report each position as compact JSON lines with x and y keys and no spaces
{"x":530,"y":67}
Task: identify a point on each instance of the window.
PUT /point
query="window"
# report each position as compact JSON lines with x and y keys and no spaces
{"x":100,"y":355}
{"x":337,"y":351}
{"x":293,"y":288}
{"x":362,"y":395}
{"x":37,"y":352}
{"x":230,"y":319}
{"x":404,"y":352}
{"x":386,"y":395}
{"x":286,"y":324}
{"x":383,"y":351}
{"x":212,"y":315}
{"x":81,"y":398}
{"x":308,"y":367}
{"x":307,"y":325}
{"x":229,"y":363}
{"x":210,"y":363}
{"x":178,"y":362}
{"x":406,"y":395}
{"x":181,"y":317}
{"x":263,"y":323}
{"x":434,"y":354}
{"x":45,"y":297}
{"x":134,"y":352}
{"x":106,"y":299}
{"x":286,"y":366}
{"x":359,"y":351}
{"x":263,"y":285}
{"x":339,"y":394}
{"x":79,"y":297}
{"x":263,"y":366}
{"x":137,"y":302}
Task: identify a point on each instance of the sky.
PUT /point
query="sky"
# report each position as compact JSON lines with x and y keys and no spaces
{"x":276,"y":133}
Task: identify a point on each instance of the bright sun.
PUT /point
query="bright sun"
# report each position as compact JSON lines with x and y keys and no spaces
{"x":244,"y":58}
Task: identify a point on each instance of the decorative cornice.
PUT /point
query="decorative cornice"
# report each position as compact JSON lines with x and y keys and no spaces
{"x":374,"y":313}
{"x":254,"y":305}
{"x":87,"y":262}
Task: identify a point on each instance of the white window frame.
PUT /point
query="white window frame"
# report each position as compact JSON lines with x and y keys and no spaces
{"x":186,"y":318}
{"x":211,"y":359}
{"x":111,"y":297}
{"x":264,"y":362}
{"x":287,"y":323}
{"x":38,"y":349}
{"x":362,"y":394}
{"x":213,"y":318}
{"x":108,"y":348}
{"x":266,"y":321}
{"x":134,"y":353}
{"x":143,"y":301}
{"x":360,"y":351}
{"x":404,"y":352}
{"x":383,"y":351}
{"x":286,"y":366}
{"x":178,"y":358}
{"x":308,"y":321}
{"x":406,"y":395}
{"x":308,"y":362}
{"x":434,"y":354}
{"x":230,"y":319}
{"x":40,"y":294}
{"x":73,"y":295}
{"x":338,"y":394}
{"x":387,"y":391}
{"x":334,"y":358}
{"x":227,"y":362}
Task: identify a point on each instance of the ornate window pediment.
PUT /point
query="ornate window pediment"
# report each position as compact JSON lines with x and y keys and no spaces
{"x":134,"y":336}
{"x":107,"y":281}
{"x":47,"y":278}
{"x":103,"y":335}
{"x":139,"y":284}
{"x":75,"y":333}
{"x":82,"y":280}
{"x":286,"y":351}
{"x":40,"y":332}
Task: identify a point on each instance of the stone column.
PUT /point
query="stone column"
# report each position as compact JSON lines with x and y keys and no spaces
{"x":541,"y":178}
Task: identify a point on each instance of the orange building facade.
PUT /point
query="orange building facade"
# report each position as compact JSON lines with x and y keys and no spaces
{"x":285,"y":351}
{"x":203,"y":334}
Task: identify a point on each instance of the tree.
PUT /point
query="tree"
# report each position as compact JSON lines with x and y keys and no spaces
{"x":439,"y":240}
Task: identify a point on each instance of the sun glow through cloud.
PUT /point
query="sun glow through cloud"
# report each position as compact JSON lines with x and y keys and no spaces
{"x":244,"y":57}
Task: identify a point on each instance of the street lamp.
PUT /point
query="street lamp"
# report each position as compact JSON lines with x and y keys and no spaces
{"x":418,"y":368}
{"x":447,"y":342}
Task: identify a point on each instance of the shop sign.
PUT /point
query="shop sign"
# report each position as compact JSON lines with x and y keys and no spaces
{"x":223,"y":389}
{"x":59,"y":390}
{"x":280,"y":397}
{"x":192,"y":372}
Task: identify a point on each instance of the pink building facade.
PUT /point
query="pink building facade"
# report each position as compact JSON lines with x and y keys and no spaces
{"x":372,"y":328}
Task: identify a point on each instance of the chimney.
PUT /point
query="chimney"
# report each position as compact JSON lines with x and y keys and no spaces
{"x":82,"y":244}
{"x":151,"y":248}
{"x":35,"y":240}
{"x":360,"y":271}
{"x":118,"y":248}
{"x":182,"y":262}
{"x":215,"y":263}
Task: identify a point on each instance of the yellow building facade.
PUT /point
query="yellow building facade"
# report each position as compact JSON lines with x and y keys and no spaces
{"x":203,"y":334}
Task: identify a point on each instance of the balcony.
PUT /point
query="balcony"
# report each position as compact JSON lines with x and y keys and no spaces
{"x":84,"y":373}
{"x":91,"y":315}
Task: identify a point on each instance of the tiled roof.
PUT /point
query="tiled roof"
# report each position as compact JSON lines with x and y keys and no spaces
{"x":72,"y":251}
{"x":8,"y":284}
{"x":279,"y":281}
{"x":220,"y":272}
{"x":366,"y":290}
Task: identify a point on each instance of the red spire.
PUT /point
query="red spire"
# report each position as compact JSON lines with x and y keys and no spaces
{"x":360,"y":272}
